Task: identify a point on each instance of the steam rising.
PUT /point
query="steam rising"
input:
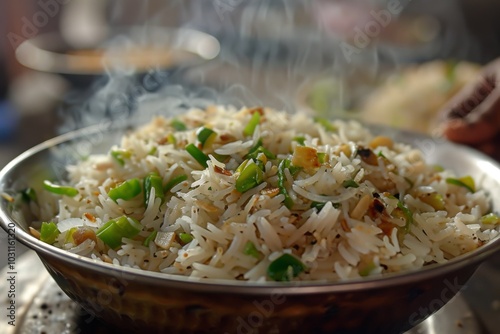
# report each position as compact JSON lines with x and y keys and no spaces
{"x":271,"y":52}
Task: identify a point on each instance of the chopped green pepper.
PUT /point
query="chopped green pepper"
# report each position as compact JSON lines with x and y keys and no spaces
{"x":251,"y":250}
{"x":178,"y":125}
{"x":205,"y":136}
{"x":221,"y":157}
{"x":153,"y":150}
{"x":319,"y":205}
{"x":284,"y":164}
{"x":258,"y":148}
{"x":110,"y":234}
{"x":326,"y":124}
{"x":120,"y":155}
{"x":252,"y":124}
{"x":198,"y":155}
{"x":321,"y":157}
{"x":173,"y":182}
{"x":171,"y":139}
{"x":185,"y":238}
{"x":250,"y":177}
{"x":29,"y":195}
{"x":130,"y":226}
{"x":490,"y":218}
{"x":153,"y":180}
{"x":69,"y":235}
{"x":150,"y":237}
{"x":59,"y":190}
{"x":467,"y":182}
{"x":285,"y":268}
{"x":407,"y":214}
{"x":114,"y":230}
{"x":49,"y":232}
{"x":300,"y":140}
{"x":126,"y":190}
{"x":367,"y":269}
{"x":350,"y":184}
{"x":435,"y":200}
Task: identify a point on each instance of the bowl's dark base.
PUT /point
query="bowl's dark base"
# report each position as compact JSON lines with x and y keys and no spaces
{"x":133,"y":306}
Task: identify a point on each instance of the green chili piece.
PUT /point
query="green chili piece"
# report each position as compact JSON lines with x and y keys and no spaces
{"x":205,"y":136}
{"x":284,"y":164}
{"x":178,"y":125}
{"x":198,"y":155}
{"x":150,"y":237}
{"x":153,"y":150}
{"x":320,"y":205}
{"x":171,"y":139}
{"x":221,"y":157}
{"x":326,"y":124}
{"x":294,"y":170}
{"x":255,"y":146}
{"x":114,"y":230}
{"x":490,"y":218}
{"x":300,"y":140}
{"x":173,"y":182}
{"x":120,"y":155}
{"x":408,"y":216}
{"x":258,"y":148}
{"x":242,"y":166}
{"x":49,"y":232}
{"x":367,"y":269}
{"x":321,"y":157}
{"x":317,"y":205}
{"x":435,"y":200}
{"x":185,"y":238}
{"x":285,"y":268}
{"x":69,"y":235}
{"x":59,"y":190}
{"x":29,"y":195}
{"x":129,"y":226}
{"x":126,"y":190}
{"x":350,"y":184}
{"x":467,"y":182}
{"x":250,"y":177}
{"x":153,"y":180}
{"x":110,"y":234}
{"x":251,"y":250}
{"x":252,"y":124}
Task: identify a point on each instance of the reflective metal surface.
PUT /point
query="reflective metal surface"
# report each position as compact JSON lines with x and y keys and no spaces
{"x":45,"y":308}
{"x":391,"y":303}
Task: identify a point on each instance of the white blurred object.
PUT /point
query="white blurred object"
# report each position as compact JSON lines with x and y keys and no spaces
{"x":36,"y":92}
{"x":83,"y":23}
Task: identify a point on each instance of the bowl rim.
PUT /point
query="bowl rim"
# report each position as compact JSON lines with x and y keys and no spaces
{"x":44,"y":250}
{"x":31,"y":55}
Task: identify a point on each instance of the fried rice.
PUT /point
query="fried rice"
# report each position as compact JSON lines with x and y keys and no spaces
{"x":260,"y":195}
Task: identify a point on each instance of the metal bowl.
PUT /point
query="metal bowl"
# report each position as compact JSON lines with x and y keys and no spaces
{"x":139,"y":300}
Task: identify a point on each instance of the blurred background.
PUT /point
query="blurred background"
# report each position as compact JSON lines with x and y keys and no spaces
{"x":328,"y":55}
{"x":65,"y":64}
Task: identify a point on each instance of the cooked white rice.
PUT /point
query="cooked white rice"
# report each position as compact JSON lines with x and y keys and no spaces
{"x":357,"y":230}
